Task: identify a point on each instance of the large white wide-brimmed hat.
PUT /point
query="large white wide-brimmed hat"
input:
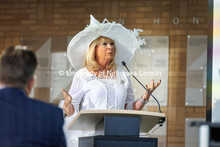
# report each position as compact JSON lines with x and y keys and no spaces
{"x":126,"y":41}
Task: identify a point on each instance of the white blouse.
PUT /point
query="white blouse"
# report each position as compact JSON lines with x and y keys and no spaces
{"x":89,"y":92}
{"x":109,"y":85}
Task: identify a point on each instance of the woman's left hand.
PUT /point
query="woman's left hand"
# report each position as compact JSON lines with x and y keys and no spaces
{"x":150,"y":88}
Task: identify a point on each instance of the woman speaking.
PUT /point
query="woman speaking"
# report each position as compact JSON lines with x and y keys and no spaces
{"x":97,"y":52}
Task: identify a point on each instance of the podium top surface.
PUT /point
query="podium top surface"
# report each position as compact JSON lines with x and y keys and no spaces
{"x":86,"y":120}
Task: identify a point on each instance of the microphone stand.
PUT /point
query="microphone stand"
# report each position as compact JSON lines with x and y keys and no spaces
{"x":161,"y":120}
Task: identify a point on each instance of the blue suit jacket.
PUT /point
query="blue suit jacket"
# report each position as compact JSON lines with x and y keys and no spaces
{"x":28,"y":122}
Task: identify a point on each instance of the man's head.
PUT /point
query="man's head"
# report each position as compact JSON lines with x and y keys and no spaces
{"x":17,"y":67}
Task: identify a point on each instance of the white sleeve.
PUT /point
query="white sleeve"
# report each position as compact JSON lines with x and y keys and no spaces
{"x":130,"y":95}
{"x":77,"y":92}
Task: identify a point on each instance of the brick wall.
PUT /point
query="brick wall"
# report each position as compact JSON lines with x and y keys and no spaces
{"x":31,"y":18}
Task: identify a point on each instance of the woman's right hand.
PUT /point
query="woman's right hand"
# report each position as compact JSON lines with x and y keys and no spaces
{"x":67,"y":97}
{"x":67,"y":107}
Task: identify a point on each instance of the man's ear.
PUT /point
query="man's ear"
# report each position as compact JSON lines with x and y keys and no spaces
{"x":29,"y":86}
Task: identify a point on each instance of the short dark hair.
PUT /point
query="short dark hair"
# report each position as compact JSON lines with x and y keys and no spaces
{"x":17,"y":66}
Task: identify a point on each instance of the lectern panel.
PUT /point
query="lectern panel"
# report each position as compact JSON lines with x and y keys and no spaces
{"x":88,"y":119}
{"x":116,"y":141}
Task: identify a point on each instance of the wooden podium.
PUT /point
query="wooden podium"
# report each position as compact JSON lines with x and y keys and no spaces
{"x":122,"y":126}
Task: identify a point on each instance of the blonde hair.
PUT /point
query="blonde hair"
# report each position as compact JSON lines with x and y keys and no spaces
{"x":90,"y":60}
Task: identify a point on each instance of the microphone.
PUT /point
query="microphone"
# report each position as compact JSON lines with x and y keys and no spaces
{"x":124,"y":64}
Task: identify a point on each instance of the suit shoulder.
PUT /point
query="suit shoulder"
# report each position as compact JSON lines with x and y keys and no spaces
{"x":44,"y":105}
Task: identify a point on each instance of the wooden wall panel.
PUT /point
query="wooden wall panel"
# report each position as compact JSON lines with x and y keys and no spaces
{"x":34,"y":18}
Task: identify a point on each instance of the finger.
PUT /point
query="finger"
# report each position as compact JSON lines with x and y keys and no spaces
{"x":64,"y":92}
{"x":66,"y":95}
{"x":158,"y":83}
{"x":152,"y":83}
{"x":149,"y":89}
{"x":146,"y":86}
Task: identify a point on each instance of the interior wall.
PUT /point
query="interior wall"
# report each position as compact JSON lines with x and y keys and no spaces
{"x":174,"y":18}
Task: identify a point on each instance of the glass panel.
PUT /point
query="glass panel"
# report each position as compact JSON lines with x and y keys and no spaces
{"x":61,"y":76}
{"x":53,"y":71}
{"x":196,"y":70}
{"x":152,"y":63}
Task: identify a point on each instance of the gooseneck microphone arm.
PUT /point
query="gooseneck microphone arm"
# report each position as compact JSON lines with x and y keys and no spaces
{"x":124,"y":64}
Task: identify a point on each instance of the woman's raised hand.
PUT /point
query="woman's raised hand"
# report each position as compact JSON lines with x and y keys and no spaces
{"x":67,"y":107}
{"x":67,"y":97}
{"x":153,"y":86}
{"x":150,"y":88}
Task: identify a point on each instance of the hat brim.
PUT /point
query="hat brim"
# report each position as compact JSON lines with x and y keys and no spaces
{"x":125,"y":41}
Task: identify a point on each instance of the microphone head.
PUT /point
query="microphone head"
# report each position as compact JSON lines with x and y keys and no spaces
{"x":123,"y":63}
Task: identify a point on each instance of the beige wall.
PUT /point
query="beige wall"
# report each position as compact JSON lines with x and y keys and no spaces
{"x":32,"y":18}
